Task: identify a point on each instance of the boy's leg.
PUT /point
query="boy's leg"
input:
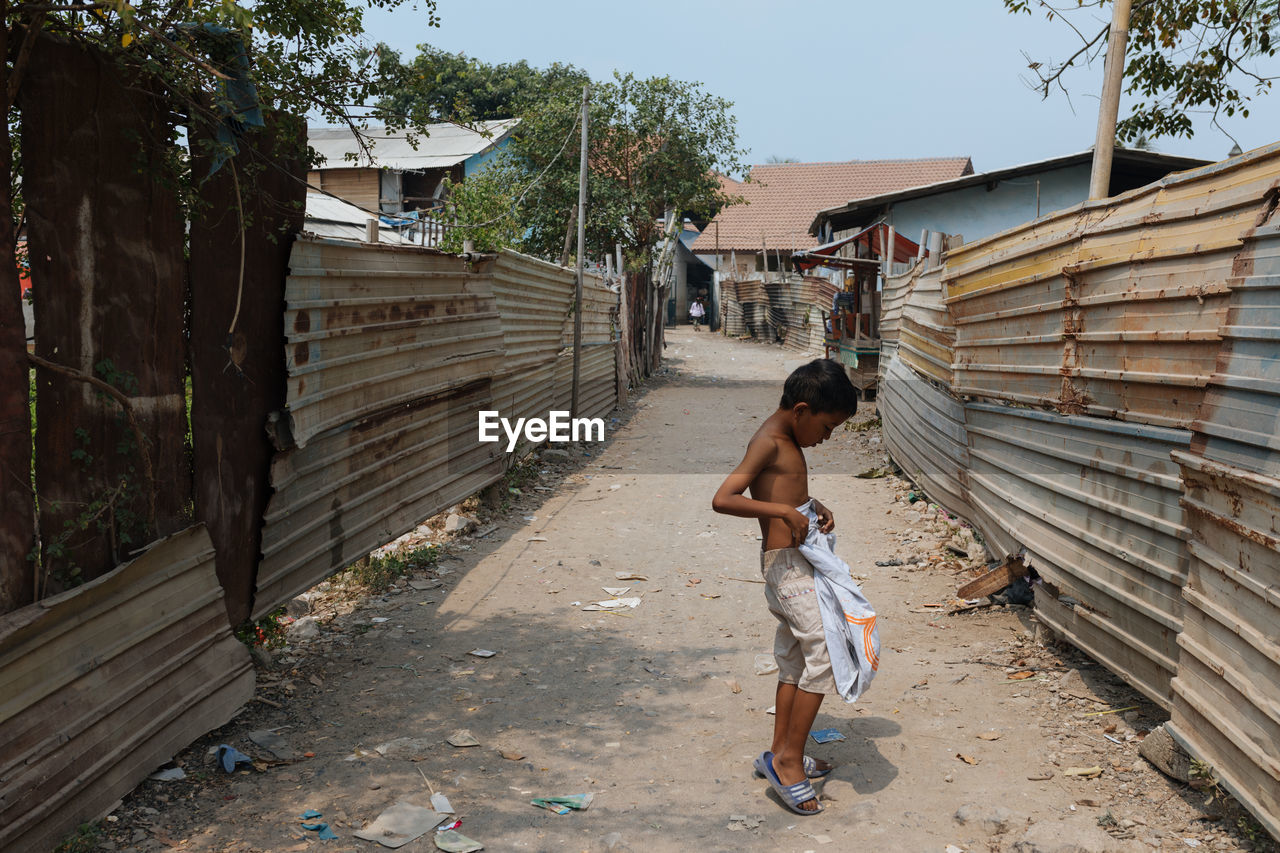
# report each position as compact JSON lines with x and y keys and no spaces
{"x":795,"y":712}
{"x":783,"y":709}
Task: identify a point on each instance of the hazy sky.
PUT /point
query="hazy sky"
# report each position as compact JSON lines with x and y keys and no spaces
{"x":824,"y":80}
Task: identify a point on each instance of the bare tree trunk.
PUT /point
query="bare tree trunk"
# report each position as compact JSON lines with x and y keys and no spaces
{"x":234,"y":388}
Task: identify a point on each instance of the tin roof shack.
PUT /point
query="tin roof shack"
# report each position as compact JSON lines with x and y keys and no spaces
{"x":977,"y":205}
{"x":781,"y":200}
{"x":858,"y":263}
{"x":399,"y":171}
{"x":750,"y":244}
{"x":330,"y":216}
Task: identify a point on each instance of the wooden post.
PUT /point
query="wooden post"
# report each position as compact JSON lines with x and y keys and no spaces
{"x":371,"y":231}
{"x":577,"y":290}
{"x":17,"y":524}
{"x":1104,"y":146}
{"x":568,"y":236}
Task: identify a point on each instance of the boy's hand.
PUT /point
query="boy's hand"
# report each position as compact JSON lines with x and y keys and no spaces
{"x":826,"y":521}
{"x":799,"y":524}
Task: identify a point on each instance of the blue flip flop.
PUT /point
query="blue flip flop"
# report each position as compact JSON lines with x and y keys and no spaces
{"x":792,"y":795}
{"x":810,"y":767}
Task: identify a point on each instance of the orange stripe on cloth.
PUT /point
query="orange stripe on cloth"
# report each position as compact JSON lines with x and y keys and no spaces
{"x":868,"y":624}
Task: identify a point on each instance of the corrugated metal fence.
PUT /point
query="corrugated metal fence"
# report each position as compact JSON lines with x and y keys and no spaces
{"x":392,"y":354}
{"x":778,"y":307}
{"x":1099,"y":391}
{"x":104,"y":682}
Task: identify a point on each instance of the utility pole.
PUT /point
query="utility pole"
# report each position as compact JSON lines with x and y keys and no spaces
{"x":582,"y":238}
{"x":1113,"y":75}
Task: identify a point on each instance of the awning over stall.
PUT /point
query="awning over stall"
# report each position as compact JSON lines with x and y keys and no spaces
{"x":873,"y":237}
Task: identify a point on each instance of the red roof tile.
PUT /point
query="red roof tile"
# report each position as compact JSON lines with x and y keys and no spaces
{"x":782,"y":199}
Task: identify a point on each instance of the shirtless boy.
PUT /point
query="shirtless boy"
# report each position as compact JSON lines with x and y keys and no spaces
{"x":816,"y":399}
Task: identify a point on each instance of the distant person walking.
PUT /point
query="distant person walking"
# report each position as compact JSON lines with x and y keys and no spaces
{"x":697,"y":312}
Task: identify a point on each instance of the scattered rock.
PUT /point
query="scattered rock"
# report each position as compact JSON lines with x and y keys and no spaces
{"x":306,"y":628}
{"x":993,"y":820}
{"x":459,"y":523}
{"x":612,"y":841}
{"x":1070,"y":836}
{"x":412,"y":748}
{"x":273,"y":743}
{"x":556,"y":453}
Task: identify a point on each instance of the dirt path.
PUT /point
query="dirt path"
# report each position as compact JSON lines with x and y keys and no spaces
{"x":658,"y":711}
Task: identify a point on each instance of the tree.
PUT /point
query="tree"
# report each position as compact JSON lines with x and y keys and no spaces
{"x":438,"y":86}
{"x":486,"y":208}
{"x":654,"y":146}
{"x":1183,"y":56}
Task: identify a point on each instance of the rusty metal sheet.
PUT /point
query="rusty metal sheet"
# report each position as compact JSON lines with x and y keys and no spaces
{"x":1095,"y":504}
{"x":926,"y":335}
{"x":356,"y":488}
{"x":101,"y":684}
{"x":924,"y":429}
{"x":599,"y":314}
{"x":597,"y":384}
{"x":1110,"y":308}
{"x":535,"y":300}
{"x":1226,"y":707}
{"x":107,"y":269}
{"x":732,"y":319}
{"x":17,"y":525}
{"x":369,"y":327}
{"x":236,"y":384}
{"x":893,"y":297}
{"x":1239,"y":422}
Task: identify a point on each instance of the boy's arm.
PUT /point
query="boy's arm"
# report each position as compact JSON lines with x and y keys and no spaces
{"x":730,"y":500}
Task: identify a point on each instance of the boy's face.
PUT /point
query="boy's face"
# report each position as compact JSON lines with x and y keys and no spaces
{"x":812,"y":428}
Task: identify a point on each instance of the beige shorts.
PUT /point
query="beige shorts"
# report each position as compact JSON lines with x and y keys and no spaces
{"x":800,"y":644}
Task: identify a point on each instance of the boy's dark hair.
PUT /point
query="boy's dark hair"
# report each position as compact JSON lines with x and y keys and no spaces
{"x":823,"y":385}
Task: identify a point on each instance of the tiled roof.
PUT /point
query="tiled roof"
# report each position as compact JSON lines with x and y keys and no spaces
{"x":783,"y":198}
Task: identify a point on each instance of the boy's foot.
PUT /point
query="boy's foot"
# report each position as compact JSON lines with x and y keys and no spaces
{"x":798,"y":795}
{"x":814,"y":768}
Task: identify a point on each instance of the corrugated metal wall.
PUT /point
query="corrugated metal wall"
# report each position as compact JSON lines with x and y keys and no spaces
{"x":1116,"y":386}
{"x":373,"y":327}
{"x":1094,"y":503}
{"x":392,"y":354}
{"x":1226,"y":697}
{"x":781,"y":307}
{"x":103,"y":683}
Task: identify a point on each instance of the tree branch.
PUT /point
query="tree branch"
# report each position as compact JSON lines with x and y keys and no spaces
{"x":119,"y":396}
{"x":1047,"y":82}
